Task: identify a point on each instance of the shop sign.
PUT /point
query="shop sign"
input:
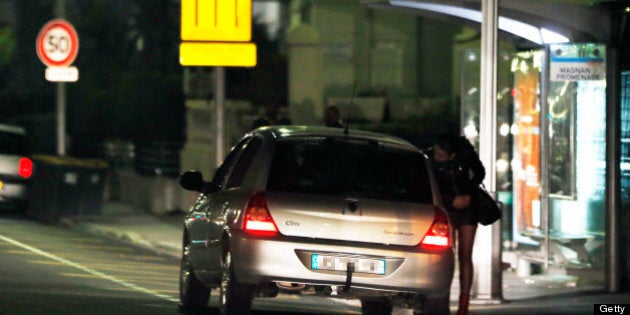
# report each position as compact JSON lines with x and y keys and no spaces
{"x":577,"y":62}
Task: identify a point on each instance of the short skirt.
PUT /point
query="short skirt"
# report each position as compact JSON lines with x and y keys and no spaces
{"x":461,"y":217}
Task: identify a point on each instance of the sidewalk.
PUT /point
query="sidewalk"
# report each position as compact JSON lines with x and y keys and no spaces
{"x":163,"y":233}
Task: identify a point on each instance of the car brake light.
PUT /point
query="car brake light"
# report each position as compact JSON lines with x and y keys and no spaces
{"x":258,"y":220}
{"x":25,"y":167}
{"x":438,"y":236}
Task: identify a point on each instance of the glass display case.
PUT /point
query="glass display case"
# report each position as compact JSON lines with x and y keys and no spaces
{"x":551,"y":144}
{"x":560,"y":94}
{"x":577,"y":124}
{"x":526,"y":68}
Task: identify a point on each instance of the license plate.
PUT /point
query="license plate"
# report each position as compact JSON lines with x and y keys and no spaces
{"x":340,"y":263}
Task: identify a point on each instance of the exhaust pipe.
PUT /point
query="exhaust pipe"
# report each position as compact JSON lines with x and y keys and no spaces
{"x":290,"y":286}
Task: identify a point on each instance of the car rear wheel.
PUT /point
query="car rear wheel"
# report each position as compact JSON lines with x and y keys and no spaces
{"x":236,"y":298}
{"x":376,"y":307}
{"x":192,"y":293}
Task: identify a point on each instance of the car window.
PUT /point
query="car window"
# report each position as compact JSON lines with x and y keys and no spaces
{"x":224,"y":170}
{"x":349,"y":168}
{"x":244,"y":161}
{"x":12,"y":143}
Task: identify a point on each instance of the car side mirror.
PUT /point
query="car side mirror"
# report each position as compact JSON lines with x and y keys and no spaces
{"x":192,"y":180}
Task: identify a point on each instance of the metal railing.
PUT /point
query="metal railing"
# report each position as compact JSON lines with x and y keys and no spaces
{"x":157,"y":158}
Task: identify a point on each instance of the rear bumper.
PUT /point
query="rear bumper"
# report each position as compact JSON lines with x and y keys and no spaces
{"x":259,"y":260}
{"x":13,"y":191}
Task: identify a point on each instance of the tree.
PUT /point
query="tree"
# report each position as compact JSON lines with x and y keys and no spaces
{"x":130,"y":76}
{"x":265,"y":84}
{"x":7,"y":49}
{"x":130,"y":79}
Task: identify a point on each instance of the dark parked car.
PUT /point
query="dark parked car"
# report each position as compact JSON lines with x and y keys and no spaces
{"x":320,"y":211}
{"x":16,"y":167}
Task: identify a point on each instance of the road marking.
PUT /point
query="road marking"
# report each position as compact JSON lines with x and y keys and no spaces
{"x":18,"y":252}
{"x":88,"y":270}
{"x":136,"y":269}
{"x":46,"y":262}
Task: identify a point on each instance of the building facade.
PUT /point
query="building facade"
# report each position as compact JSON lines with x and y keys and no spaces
{"x":560,"y":165}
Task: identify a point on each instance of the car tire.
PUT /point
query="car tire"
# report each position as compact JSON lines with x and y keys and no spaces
{"x":235,"y":298}
{"x":436,"y":306}
{"x":376,"y":307}
{"x":192,"y":293}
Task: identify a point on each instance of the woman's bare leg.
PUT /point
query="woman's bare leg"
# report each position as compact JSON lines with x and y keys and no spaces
{"x":465,"y":242}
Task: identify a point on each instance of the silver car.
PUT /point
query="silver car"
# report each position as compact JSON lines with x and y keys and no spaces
{"x":321,"y":211}
{"x":16,"y":167}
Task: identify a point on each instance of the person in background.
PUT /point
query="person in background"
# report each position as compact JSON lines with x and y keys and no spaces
{"x":332,"y":117}
{"x":270,"y":117}
{"x":459,"y":171}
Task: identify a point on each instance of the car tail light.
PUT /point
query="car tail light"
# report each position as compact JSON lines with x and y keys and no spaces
{"x":438,"y":236}
{"x":258,"y":220}
{"x":25,"y":167}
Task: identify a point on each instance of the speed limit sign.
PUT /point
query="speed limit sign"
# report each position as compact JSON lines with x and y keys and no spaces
{"x":57,"y":43}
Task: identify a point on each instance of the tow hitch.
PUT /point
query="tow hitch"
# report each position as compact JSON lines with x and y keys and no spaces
{"x":349,"y":271}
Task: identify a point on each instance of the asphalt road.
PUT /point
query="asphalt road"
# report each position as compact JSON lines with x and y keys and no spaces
{"x":47,"y":269}
{"x":50,"y":269}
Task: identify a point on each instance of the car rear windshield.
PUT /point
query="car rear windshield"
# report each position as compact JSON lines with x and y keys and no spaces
{"x":12,"y":143}
{"x":349,"y":167}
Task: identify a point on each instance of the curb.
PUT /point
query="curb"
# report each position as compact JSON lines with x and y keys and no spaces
{"x":126,"y":236}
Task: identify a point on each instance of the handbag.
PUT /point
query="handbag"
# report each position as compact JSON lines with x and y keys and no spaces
{"x":488,"y":209}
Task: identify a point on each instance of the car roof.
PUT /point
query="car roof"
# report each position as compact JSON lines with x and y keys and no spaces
{"x":278,"y":132}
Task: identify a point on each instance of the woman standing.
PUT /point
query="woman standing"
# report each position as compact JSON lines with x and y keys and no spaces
{"x":459,"y":172}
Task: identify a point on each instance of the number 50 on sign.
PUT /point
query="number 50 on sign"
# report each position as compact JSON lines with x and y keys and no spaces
{"x":57,"y":44}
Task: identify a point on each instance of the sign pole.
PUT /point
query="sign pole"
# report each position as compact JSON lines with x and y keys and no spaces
{"x":219,"y":100}
{"x":61,"y":118}
{"x":61,"y":96}
{"x":217,"y":33}
{"x":57,"y":46}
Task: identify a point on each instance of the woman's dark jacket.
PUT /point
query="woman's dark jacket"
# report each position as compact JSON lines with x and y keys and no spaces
{"x":460,"y":176}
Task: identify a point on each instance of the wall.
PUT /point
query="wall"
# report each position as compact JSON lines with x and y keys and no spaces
{"x":334,"y":45}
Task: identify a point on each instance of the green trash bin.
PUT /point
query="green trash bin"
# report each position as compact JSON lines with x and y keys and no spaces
{"x":92,"y":176}
{"x":66,"y":186}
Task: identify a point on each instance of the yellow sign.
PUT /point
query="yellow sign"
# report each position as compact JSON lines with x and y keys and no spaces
{"x":217,"y":54}
{"x":216,"y":20}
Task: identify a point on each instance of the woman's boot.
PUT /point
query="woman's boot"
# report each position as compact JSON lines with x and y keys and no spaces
{"x":464,"y":300}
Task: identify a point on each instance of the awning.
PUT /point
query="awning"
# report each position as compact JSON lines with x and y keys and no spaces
{"x":527,"y":23}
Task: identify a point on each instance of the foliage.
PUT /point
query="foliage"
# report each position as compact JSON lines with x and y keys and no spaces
{"x":23,"y":89}
{"x":130,"y":72}
{"x":7,"y":50}
{"x":7,"y":46}
{"x":265,"y":84}
{"x":130,"y":80}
